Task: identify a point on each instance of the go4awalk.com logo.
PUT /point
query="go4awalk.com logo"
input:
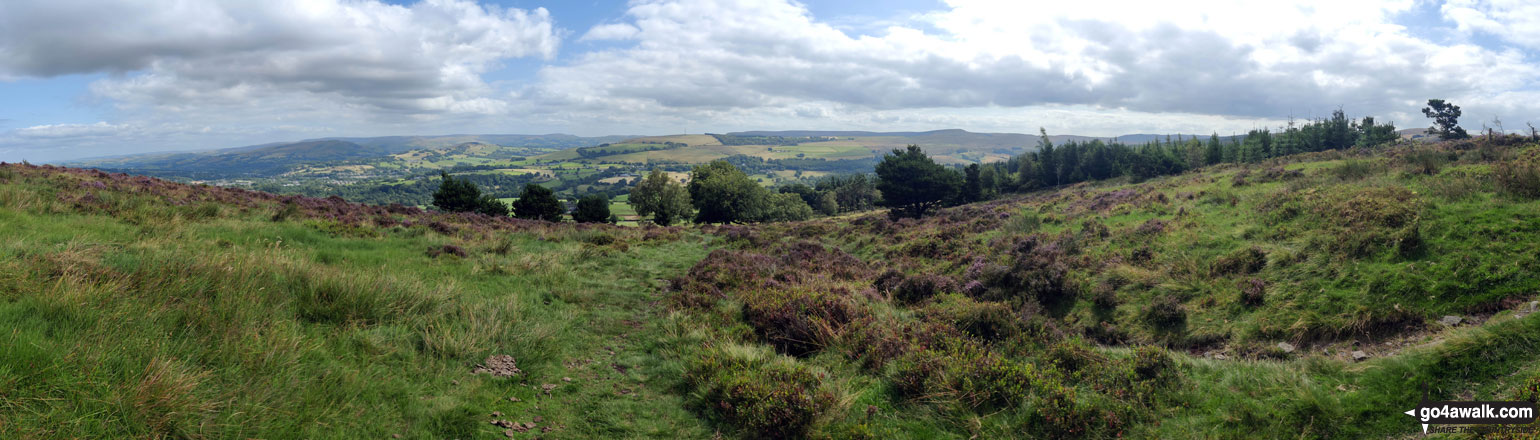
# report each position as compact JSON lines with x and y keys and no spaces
{"x":1473,"y":413}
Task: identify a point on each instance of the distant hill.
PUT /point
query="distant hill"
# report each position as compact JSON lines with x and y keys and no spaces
{"x":280,"y":157}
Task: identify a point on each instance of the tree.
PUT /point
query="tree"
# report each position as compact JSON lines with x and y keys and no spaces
{"x":828,"y":204}
{"x":1215,"y":151}
{"x":1446,"y":120}
{"x":673,"y":205}
{"x":647,"y":197}
{"x":1371,"y":134}
{"x":911,"y":183}
{"x":853,"y":192}
{"x":592,"y":208}
{"x":973,"y":187}
{"x":458,"y":195}
{"x":1047,"y":161}
{"x":807,"y":193}
{"x":785,"y":207}
{"x":723,"y":194}
{"x":537,"y":203}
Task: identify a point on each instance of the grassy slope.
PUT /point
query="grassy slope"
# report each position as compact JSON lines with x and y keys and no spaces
{"x":212,"y":320}
{"x":1354,"y":252}
{"x":137,"y":308}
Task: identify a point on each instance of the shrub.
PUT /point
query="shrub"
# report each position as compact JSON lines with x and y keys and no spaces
{"x":989,"y":321}
{"x":289,"y":210}
{"x":1528,"y":390}
{"x":1241,"y":261}
{"x":1354,"y":169}
{"x":1104,"y":296}
{"x":764,"y":398}
{"x":1064,"y":415}
{"x":1072,"y":355}
{"x":984,"y":379}
{"x":888,"y":281}
{"x":1427,"y":162}
{"x":1517,"y":179}
{"x":1154,"y":366}
{"x":1025,"y":222}
{"x":592,"y":208}
{"x":1408,"y":240}
{"x":798,"y":323}
{"x":1455,"y":186}
{"x":915,"y":376}
{"x":1150,"y":227}
{"x":1039,"y":271}
{"x":449,"y":249}
{"x":1166,"y":311}
{"x":917,"y":288}
{"x":1253,"y":292}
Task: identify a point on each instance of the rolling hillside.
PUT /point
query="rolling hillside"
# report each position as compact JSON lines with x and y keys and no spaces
{"x":1307,"y":296}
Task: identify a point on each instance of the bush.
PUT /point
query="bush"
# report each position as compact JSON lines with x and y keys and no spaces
{"x":449,"y":249}
{"x":1354,"y":169}
{"x":1039,"y":271}
{"x":289,"y":210}
{"x":917,"y":288}
{"x":592,"y":208}
{"x":764,"y":398}
{"x":888,"y":281}
{"x":1408,"y":240}
{"x":1072,"y":355}
{"x":798,"y":323}
{"x":1253,"y":292}
{"x":1153,"y":365}
{"x":1427,"y":162}
{"x":538,"y":203}
{"x":988,"y":321}
{"x":1166,"y":311}
{"x":1025,"y":222}
{"x":1241,"y":261}
{"x":1528,"y":390}
{"x":984,"y":379}
{"x":1517,"y":179}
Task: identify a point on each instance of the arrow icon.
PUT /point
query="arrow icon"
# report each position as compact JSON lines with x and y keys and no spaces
{"x":1413,"y":413}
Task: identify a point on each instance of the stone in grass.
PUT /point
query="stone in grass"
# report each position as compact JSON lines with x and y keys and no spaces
{"x":501,"y":365}
{"x":1359,"y":355}
{"x":1286,"y":347}
{"x":1451,"y":320}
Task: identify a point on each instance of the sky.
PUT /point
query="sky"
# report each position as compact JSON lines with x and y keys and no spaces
{"x":90,"y":78}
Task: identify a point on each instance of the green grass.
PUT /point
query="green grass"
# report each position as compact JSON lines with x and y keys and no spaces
{"x":170,"y":324}
{"x":154,"y":310}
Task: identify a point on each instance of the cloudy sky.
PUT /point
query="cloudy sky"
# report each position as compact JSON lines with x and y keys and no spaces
{"x":82,"y":78}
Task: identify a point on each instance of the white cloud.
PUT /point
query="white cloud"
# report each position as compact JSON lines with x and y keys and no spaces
{"x":612,"y":31}
{"x":1252,"y":60}
{"x":99,"y":129}
{"x":188,"y":56}
{"x":1513,"y":21}
{"x":360,"y":67}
